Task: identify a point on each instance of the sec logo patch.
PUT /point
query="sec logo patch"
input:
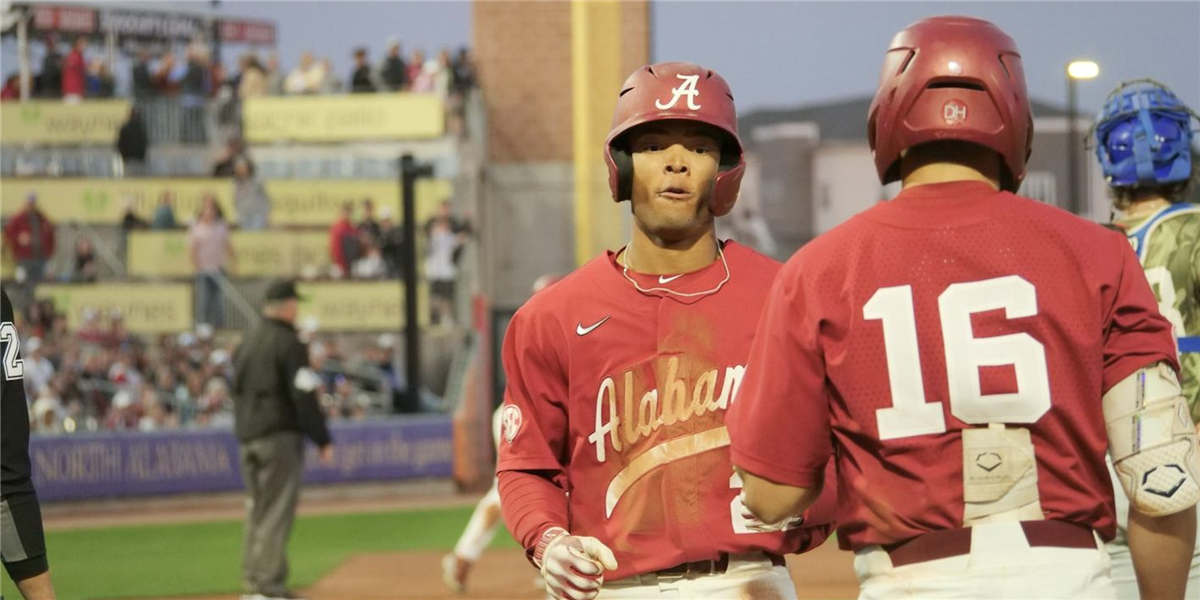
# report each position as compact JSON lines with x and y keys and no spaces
{"x":510,"y":421}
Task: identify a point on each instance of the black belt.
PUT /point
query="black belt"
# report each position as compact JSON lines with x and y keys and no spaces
{"x":956,"y":542}
{"x":709,"y":567}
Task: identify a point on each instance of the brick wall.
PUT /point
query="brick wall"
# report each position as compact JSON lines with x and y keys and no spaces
{"x":523,"y":55}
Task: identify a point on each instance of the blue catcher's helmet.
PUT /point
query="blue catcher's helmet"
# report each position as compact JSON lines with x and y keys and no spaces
{"x":1143,"y":136}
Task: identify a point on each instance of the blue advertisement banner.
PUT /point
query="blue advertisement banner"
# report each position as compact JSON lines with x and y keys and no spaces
{"x":80,"y":467}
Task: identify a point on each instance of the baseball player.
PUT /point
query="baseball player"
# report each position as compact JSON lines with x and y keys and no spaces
{"x":614,"y":470}
{"x":481,"y":528}
{"x":964,"y":350}
{"x":1143,"y":141}
{"x":485,"y":519}
{"x":22,"y":543}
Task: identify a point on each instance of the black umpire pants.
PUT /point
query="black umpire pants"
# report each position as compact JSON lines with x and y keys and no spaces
{"x":22,"y":542}
{"x":271,"y":469}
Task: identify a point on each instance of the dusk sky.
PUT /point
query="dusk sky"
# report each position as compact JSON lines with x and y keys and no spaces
{"x":779,"y":54}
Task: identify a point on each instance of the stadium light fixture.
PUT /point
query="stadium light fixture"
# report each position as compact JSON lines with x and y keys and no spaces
{"x":1083,"y":69}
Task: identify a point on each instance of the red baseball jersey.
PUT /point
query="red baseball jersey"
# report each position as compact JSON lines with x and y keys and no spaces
{"x":952,"y":306}
{"x":623,"y":394}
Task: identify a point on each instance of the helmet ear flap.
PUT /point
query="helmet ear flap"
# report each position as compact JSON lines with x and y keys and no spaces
{"x":623,"y":162}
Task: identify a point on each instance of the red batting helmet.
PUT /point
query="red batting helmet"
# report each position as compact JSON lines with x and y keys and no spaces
{"x":676,"y":90}
{"x":951,"y":78}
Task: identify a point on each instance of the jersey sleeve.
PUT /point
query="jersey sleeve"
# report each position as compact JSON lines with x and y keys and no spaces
{"x":779,"y":422}
{"x":534,"y":424}
{"x":1136,"y":334}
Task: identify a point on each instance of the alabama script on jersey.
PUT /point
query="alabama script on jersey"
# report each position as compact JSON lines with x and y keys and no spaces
{"x":623,"y":394}
{"x":952,"y":306}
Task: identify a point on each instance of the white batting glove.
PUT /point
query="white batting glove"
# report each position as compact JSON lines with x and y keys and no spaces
{"x":757,"y":525}
{"x":573,"y":566}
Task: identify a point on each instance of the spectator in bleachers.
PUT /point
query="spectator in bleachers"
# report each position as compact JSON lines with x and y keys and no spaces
{"x":417,"y":80}
{"x":370,"y":264}
{"x":360,"y":80}
{"x":444,"y":236}
{"x":463,"y":79}
{"x":141,"y":81}
{"x":46,"y":414}
{"x":124,"y":412}
{"x":306,"y":78}
{"x":211,"y":250}
{"x":249,"y":197}
{"x":85,"y":266}
{"x":156,"y":414}
{"x":132,"y":142}
{"x":30,"y":237}
{"x":443,"y":74}
{"x":330,"y":82}
{"x":274,"y":75}
{"x":74,"y":71}
{"x":119,"y":337}
{"x":346,"y":402}
{"x":194,"y":88}
{"x":343,"y":242}
{"x":167,"y":75}
{"x":39,"y":371}
{"x":253,"y":79}
{"x":393,"y":72}
{"x":391,"y":243}
{"x":91,"y":332}
{"x":164,"y":213}
{"x":100,"y":83}
{"x":130,"y":220}
{"x":369,"y":229}
{"x":12,"y":88}
{"x":49,"y":83}
{"x":235,"y":149}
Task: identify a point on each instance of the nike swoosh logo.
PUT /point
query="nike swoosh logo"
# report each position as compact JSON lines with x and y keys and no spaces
{"x":664,"y":279}
{"x":581,"y":330}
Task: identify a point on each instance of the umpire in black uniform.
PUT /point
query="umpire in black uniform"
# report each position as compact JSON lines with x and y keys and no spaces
{"x":275,"y":406}
{"x":22,"y":543}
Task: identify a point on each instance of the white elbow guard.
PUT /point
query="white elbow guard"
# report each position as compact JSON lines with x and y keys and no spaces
{"x":1153,"y":441}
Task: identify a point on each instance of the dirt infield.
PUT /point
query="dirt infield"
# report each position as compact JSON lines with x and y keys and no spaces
{"x":825,"y":573}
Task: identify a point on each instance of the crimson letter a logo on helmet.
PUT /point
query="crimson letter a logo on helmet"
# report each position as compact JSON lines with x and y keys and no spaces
{"x":687,"y":88}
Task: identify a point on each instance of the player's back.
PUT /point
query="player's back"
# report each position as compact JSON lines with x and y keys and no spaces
{"x":955,"y":307}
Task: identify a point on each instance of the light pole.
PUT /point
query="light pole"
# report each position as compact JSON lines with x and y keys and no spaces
{"x":1076,"y":70}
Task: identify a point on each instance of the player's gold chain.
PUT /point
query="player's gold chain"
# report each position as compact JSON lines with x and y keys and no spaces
{"x":629,"y":259}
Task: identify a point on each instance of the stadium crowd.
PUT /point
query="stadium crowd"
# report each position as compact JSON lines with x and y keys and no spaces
{"x":103,"y":377}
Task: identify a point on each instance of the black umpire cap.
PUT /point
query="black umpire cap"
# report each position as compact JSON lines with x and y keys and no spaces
{"x":282,"y":289}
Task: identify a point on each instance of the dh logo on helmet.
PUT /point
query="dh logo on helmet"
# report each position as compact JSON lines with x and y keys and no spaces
{"x":954,"y":112}
{"x":511,"y":422}
{"x":687,"y":88}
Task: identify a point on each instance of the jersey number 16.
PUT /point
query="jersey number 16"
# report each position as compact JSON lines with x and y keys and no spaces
{"x":911,"y":414}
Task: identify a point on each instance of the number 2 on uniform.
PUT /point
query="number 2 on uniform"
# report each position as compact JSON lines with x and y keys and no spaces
{"x":14,"y":367}
{"x":911,"y":414}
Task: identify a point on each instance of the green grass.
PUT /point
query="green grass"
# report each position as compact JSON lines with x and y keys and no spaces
{"x":205,"y":558}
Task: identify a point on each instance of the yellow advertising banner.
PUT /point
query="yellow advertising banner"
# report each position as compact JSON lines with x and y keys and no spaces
{"x":102,"y":201}
{"x":318,"y":202}
{"x":148,"y":307}
{"x":347,"y":118}
{"x":358,"y":305}
{"x":164,"y":254}
{"x":298,"y":203}
{"x":53,"y":122}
